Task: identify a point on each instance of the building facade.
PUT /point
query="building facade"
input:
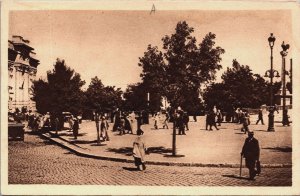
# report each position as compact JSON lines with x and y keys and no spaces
{"x":22,"y":69}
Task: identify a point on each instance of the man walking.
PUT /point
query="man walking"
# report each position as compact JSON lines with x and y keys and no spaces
{"x":260,"y":117}
{"x":251,"y":152}
{"x":97,"y":121}
{"x":186,"y":120}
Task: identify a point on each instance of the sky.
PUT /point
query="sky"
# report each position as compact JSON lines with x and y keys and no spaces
{"x":108,"y":44}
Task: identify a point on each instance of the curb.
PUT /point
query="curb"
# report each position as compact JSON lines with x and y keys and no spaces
{"x":80,"y":152}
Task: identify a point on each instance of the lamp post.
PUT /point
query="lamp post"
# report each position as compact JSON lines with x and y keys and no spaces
{"x":270,"y":74}
{"x":284,"y":53}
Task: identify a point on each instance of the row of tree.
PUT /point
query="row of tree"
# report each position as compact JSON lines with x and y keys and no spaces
{"x":62,"y":92}
{"x":177,"y":71}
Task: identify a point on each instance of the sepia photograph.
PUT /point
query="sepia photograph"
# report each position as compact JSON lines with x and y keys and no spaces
{"x":157,"y":99}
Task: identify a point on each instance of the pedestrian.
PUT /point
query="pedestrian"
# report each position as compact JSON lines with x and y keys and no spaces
{"x":251,"y":153}
{"x":127,"y":125}
{"x":186,"y":120}
{"x":166,"y":120}
{"x":97,"y":122}
{"x":219,"y":117}
{"x":156,"y":120}
{"x":75,"y":127}
{"x":245,"y":123}
{"x":41,"y":122}
{"x":240,"y":115}
{"x":121,"y":127}
{"x":180,"y":122}
{"x":56,"y":124}
{"x":117,"y":119}
{"x":247,"y":116}
{"x":139,"y":123}
{"x":211,"y":120}
{"x":145,"y":116}
{"x":104,"y":128}
{"x":71,"y":122}
{"x":207,"y":120}
{"x":139,"y":149}
{"x":30,"y":119}
{"x":36,"y":123}
{"x":260,"y":117}
{"x":195,"y":118}
{"x":131,"y":120}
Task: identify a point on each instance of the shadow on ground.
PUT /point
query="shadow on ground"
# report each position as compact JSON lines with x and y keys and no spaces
{"x":280,"y":149}
{"x":71,"y":134}
{"x":128,"y":150}
{"x":83,"y":141}
{"x":125,"y":150}
{"x":240,"y":133}
{"x":260,"y":130}
{"x":236,"y":177}
{"x":131,"y":168}
{"x":159,"y":150}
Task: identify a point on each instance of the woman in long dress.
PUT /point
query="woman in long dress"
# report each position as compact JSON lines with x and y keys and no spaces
{"x":139,"y":148}
{"x":104,"y":128}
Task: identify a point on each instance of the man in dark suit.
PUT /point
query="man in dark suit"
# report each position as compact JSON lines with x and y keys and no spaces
{"x":251,"y":152}
{"x":260,"y":117}
{"x":180,"y":122}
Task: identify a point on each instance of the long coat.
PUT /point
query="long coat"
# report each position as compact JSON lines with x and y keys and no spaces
{"x":251,"y":149}
{"x":139,"y":148}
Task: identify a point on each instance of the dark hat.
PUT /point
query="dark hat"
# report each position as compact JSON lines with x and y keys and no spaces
{"x":251,"y":133}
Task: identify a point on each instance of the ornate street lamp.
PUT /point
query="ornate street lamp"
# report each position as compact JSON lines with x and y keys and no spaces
{"x":270,"y":74}
{"x":284,"y":53}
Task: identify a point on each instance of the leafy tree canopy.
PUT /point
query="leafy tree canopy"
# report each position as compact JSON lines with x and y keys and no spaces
{"x":61,"y":92}
{"x":239,"y":88}
{"x":178,"y":71}
{"x":102,"y":98}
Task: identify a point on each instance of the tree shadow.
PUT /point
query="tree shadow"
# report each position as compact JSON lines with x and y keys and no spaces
{"x":101,"y":144}
{"x":237,"y":129}
{"x":125,"y":150}
{"x":280,"y":149}
{"x":174,"y":156}
{"x":131,"y":168}
{"x":260,"y":130}
{"x":236,"y":177}
{"x":128,"y":150}
{"x":70,"y":134}
{"x":240,"y":133}
{"x":159,"y":150}
{"x":82,"y":141}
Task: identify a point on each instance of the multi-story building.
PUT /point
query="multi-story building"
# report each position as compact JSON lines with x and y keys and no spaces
{"x":22,"y":68}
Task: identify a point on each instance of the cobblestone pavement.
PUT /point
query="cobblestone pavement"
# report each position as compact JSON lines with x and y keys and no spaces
{"x":37,"y":161}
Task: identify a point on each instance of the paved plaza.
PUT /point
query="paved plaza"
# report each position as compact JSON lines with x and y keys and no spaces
{"x":38,"y":161}
{"x":199,"y":146}
{"x":211,"y":158}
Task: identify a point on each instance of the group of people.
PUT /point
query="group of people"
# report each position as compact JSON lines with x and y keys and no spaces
{"x":36,"y":122}
{"x":123,"y":122}
{"x":213,"y":117}
{"x":46,"y":122}
{"x":180,"y":118}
